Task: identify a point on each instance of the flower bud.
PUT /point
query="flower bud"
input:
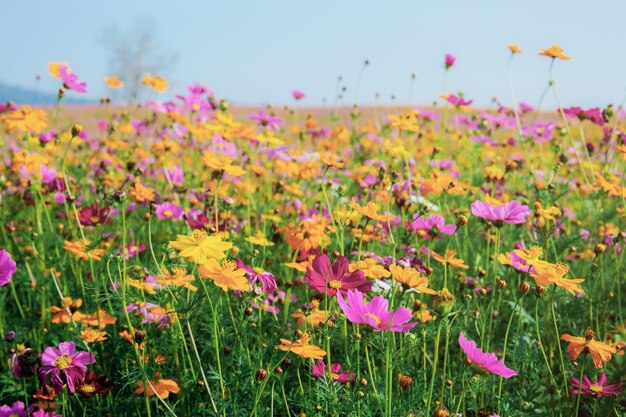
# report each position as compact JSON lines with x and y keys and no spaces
{"x":260,"y":374}
{"x":443,"y":301}
{"x":524,"y":287}
{"x":540,"y":290}
{"x":461,"y":221}
{"x":404,"y":381}
{"x":599,"y":248}
{"x":441,"y":412}
{"x":76,"y":129}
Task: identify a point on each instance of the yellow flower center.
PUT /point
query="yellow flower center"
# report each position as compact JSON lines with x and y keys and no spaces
{"x":95,"y":219}
{"x":168,"y":213}
{"x":596,"y":388}
{"x":335,"y":284}
{"x":199,"y":235}
{"x":333,"y":376}
{"x":63,"y":362}
{"x":374,"y":316}
{"x":88,"y":388}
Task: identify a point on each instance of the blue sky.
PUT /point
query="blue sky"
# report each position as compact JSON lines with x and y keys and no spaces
{"x":256,"y":52}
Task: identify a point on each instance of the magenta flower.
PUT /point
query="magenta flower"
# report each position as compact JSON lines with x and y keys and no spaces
{"x":297,"y":94}
{"x":133,"y":249}
{"x":44,"y":413}
{"x":594,"y":115}
{"x":511,"y":213}
{"x":64,"y":366}
{"x":17,"y":409}
{"x":486,"y":361}
{"x":267,"y":121}
{"x":449,"y":61}
{"x":7,"y":267}
{"x":320,"y":371}
{"x":431,"y":227}
{"x":267,"y":279}
{"x":94,"y":215}
{"x":376,"y":313}
{"x":70,"y":80}
{"x":336,"y":278}
{"x":169,"y":211}
{"x":598,"y":387}
{"x":457,"y":100}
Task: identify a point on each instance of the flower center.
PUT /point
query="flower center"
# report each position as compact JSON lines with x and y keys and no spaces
{"x":88,"y":388}
{"x":333,"y":376}
{"x":335,"y":284}
{"x":374,"y":316}
{"x":596,"y":388}
{"x":199,"y":235}
{"x":14,"y":415}
{"x":95,"y":219}
{"x":63,"y":362}
{"x":168,"y":213}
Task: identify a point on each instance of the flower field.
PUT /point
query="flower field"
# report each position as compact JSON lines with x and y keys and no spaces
{"x":185,"y":258}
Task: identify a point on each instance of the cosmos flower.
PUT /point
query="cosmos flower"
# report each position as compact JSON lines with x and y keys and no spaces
{"x":431,"y":227}
{"x":169,"y":211}
{"x":70,"y":80}
{"x":449,"y":61}
{"x":7,"y":267}
{"x":267,"y":121}
{"x":555,"y":274}
{"x":158,"y":84}
{"x":226,"y":276}
{"x":302,"y":347}
{"x":93,"y":385}
{"x":26,"y":119}
{"x":486,"y":361}
{"x":331,"y":279}
{"x":297,"y":94}
{"x":456,"y":100}
{"x":600,"y":352}
{"x":17,"y":409}
{"x":514,"y":49}
{"x":554,"y":52}
{"x":598,"y":387}
{"x":64,"y":366}
{"x":375,"y":313}
{"x":94,"y":215}
{"x":200,"y":247}
{"x":370,"y":210}
{"x":319,"y":370}
{"x":113,"y":82}
{"x":161,"y":387}
{"x":512,"y":212}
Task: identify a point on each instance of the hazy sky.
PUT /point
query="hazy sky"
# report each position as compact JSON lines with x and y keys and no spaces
{"x":257,"y":51}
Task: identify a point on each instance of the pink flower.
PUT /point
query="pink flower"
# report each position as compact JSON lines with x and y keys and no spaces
{"x":487,"y":361}
{"x":320,"y":371}
{"x":594,"y":115}
{"x":376,"y":313}
{"x":64,"y":366}
{"x":449,"y":61}
{"x":169,"y":211}
{"x":267,"y":121}
{"x":7,"y":268}
{"x":17,"y":409}
{"x":336,"y":278}
{"x":70,"y":80}
{"x":431,"y":227}
{"x":598,"y":387}
{"x":457,"y":100}
{"x":511,"y":213}
{"x":297,"y":94}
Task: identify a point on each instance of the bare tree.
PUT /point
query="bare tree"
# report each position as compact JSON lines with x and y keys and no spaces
{"x":135,"y":52}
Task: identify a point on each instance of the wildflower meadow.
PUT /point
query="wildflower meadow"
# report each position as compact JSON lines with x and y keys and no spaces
{"x":186,"y":257}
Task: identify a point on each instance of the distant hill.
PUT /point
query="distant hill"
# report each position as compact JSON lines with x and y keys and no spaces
{"x":20,"y":95}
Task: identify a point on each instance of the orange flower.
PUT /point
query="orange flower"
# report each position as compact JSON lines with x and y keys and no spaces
{"x":81,"y":249}
{"x":449,"y":258}
{"x":160,"y":387}
{"x":600,"y":352}
{"x":90,"y":335}
{"x":113,"y":82}
{"x":370,"y":210}
{"x":68,"y":311}
{"x":554,"y":273}
{"x":302,"y":347}
{"x":555,"y":51}
{"x":515,"y":49}
{"x":177,"y":278}
{"x":141,"y":192}
{"x":411,"y":278}
{"x":222,"y":163}
{"x":313,"y":317}
{"x":26,"y":119}
{"x":227,"y":276}
{"x":158,"y":84}
{"x":99,"y":319}
{"x":404,"y":121}
{"x":370,"y":268}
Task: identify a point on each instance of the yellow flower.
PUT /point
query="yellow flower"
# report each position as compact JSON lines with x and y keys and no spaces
{"x":259,"y":239}
{"x":227,"y":276}
{"x":302,"y":347}
{"x":405,"y":121}
{"x":90,"y":335}
{"x":370,"y":268}
{"x":515,"y":49}
{"x":54,"y":68}
{"x":543,"y":215}
{"x":157,"y":83}
{"x":199,"y":247}
{"x":555,"y":51}
{"x":113,"y":82}
{"x":141,"y":192}
{"x":222,"y":163}
{"x":411,"y":278}
{"x":26,"y":119}
{"x":370,"y":210}
{"x":600,"y":352}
